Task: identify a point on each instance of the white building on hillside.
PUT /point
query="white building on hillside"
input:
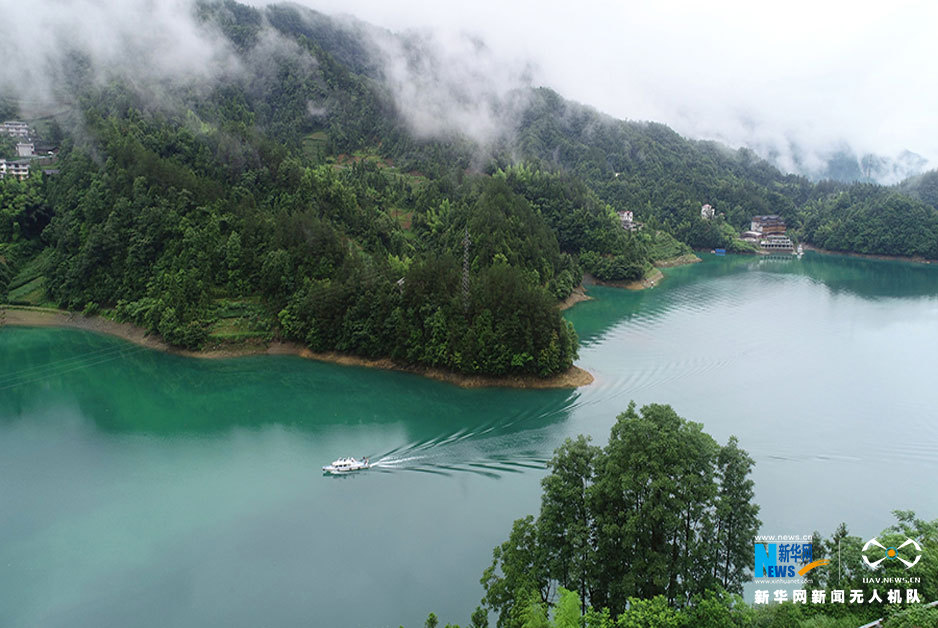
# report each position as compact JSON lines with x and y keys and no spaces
{"x":15,"y":128}
{"x":627,"y":220}
{"x":18,"y":169}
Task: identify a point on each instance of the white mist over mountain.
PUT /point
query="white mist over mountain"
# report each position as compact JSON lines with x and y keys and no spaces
{"x":802,"y":83}
{"x":142,"y":40}
{"x":823,"y":89}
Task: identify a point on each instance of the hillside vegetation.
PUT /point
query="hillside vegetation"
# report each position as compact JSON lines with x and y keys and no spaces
{"x":292,"y":200}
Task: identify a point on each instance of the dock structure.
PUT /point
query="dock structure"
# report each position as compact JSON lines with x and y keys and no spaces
{"x":777,"y":243}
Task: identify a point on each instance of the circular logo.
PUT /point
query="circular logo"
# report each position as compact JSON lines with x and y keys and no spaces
{"x":890,"y":553}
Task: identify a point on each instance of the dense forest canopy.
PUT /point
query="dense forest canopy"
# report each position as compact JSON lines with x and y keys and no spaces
{"x":662,"y":509}
{"x":293,"y":199}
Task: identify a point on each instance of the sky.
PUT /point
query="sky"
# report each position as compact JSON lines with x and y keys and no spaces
{"x":817,"y":74}
{"x":814,"y":72}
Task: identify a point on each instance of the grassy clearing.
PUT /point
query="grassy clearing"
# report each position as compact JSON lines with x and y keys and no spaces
{"x":370,"y":154}
{"x":413,"y":178}
{"x":32,"y":270}
{"x":28,"y":286}
{"x":31,"y":293}
{"x":664,"y":246}
{"x":239,"y":307}
{"x":240,"y":319}
{"x":314,"y":145}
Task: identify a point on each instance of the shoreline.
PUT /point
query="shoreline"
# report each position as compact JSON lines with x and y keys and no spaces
{"x":27,"y":316}
{"x":651,"y":278}
{"x":885,"y":258}
{"x":577,"y":296}
{"x":680,"y":260}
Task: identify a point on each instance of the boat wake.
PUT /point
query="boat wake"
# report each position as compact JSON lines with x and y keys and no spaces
{"x":515,"y":445}
{"x":441,"y":464}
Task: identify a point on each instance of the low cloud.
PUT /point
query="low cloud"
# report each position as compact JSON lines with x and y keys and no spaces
{"x":448,"y":82}
{"x":797,"y":85}
{"x":142,"y":41}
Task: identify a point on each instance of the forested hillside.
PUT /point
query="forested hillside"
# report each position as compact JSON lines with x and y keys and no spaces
{"x":291,"y":199}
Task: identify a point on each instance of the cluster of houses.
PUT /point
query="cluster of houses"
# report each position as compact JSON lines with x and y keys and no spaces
{"x":25,"y":150}
{"x":14,"y":128}
{"x":769,"y":233}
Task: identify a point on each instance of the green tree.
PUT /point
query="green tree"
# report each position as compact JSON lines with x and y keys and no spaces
{"x":479,"y":618}
{"x":735,"y":517}
{"x":565,"y":523}
{"x":568,"y":611}
{"x":650,"y":613}
{"x":635,"y":520}
{"x":518,"y":572}
{"x":653,"y":501}
{"x":917,"y":617}
{"x":532,"y":613}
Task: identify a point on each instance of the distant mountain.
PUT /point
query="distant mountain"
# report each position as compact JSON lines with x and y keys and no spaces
{"x":847,"y":166}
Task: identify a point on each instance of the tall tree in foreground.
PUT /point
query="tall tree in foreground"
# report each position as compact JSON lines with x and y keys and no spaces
{"x":564,"y":524}
{"x":662,"y":512}
{"x":735,"y":517}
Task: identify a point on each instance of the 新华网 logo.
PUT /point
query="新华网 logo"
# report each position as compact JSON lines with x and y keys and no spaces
{"x":784,"y":560}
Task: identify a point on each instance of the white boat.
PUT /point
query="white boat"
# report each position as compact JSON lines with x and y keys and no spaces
{"x":347,"y":465}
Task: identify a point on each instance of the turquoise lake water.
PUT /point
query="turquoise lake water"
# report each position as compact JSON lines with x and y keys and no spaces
{"x":146,"y":489}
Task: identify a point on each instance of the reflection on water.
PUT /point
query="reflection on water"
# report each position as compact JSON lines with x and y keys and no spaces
{"x":867,"y":278}
{"x":123,"y":388}
{"x":691,"y":288}
{"x":139,"y":488}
